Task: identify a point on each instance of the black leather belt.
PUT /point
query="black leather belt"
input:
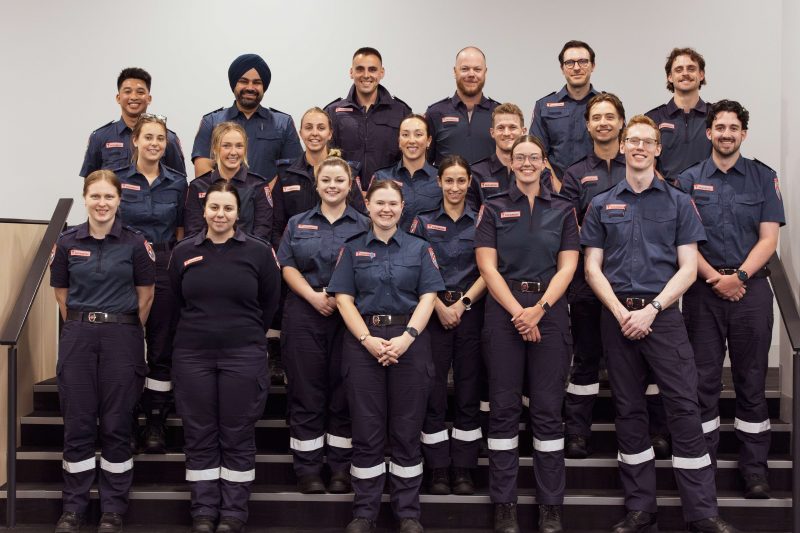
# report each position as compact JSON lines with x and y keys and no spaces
{"x":320,"y":289}
{"x":726,"y":271}
{"x":98,"y":317}
{"x":386,"y":320}
{"x":162,"y":246}
{"x":451,"y":297}
{"x":634,"y":303}
{"x":527,"y":286}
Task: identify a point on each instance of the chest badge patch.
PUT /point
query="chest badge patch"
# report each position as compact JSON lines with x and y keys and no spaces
{"x":510,"y":214}
{"x":193,"y":260}
{"x":704,"y":188}
{"x":589,"y":179}
{"x":344,"y":110}
{"x":361,"y":253}
{"x":445,"y":120}
{"x":115,"y":145}
{"x":490,"y":184}
{"x":615,"y":207}
{"x":555,"y":104}
{"x":666,"y":126}
{"x":201,"y":195}
{"x":436,"y":227}
{"x":308,"y":226}
{"x":80,"y":253}
{"x":131,"y":187}
{"x":290,"y":188}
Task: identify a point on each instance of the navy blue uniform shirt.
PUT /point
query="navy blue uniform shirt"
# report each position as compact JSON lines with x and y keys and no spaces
{"x":421,"y":192}
{"x":683,"y":137}
{"x":271,"y":135}
{"x":589,"y":177}
{"x":311,"y":244}
{"x":732,"y":205}
{"x":223,"y":295}
{"x":559,"y":122}
{"x":102,"y":274}
{"x":369,"y":137}
{"x":527,"y":240}
{"x":295,"y":192}
{"x":454,"y":132}
{"x":490,"y":176}
{"x":640,"y":234}
{"x":255,"y":209}
{"x":454,"y":245}
{"x":154,"y":209}
{"x":386,"y":278}
{"x":110,"y":148}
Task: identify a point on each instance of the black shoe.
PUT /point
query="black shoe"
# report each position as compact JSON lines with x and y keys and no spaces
{"x":203,"y":524}
{"x":154,"y":437}
{"x":277,"y":371}
{"x":505,"y":518}
{"x":230,"y":525}
{"x":756,"y":487}
{"x":440,"y":482}
{"x":637,"y":522}
{"x":661,"y":446}
{"x":311,"y":485}
{"x":360,"y":525}
{"x":550,"y":519}
{"x":340,"y":483}
{"x":461,"y":481}
{"x":714,"y":524}
{"x":110,"y":523}
{"x":69,"y":522}
{"x":577,"y":447}
{"x":410,"y":525}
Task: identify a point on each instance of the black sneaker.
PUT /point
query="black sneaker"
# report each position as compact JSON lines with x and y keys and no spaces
{"x":505,"y":518}
{"x":360,"y":525}
{"x":577,"y":447}
{"x":440,"y":482}
{"x":229,"y":524}
{"x":550,"y":519}
{"x":756,"y":487}
{"x":714,"y":524}
{"x":203,"y":524}
{"x":637,"y":522}
{"x":410,"y":525}
{"x":110,"y":523}
{"x":461,"y":481}
{"x":69,"y":522}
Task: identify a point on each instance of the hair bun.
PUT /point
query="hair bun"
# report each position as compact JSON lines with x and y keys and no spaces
{"x":334,"y":152}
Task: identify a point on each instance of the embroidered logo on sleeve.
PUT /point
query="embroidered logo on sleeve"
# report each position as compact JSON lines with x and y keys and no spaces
{"x":702,"y":187}
{"x":52,"y":254}
{"x":341,"y":251}
{"x":115,"y":145}
{"x":433,"y":257}
{"x":80,"y":253}
{"x":192,"y":261}
{"x":480,"y":216}
{"x":150,"y":252}
{"x":201,"y":195}
{"x":777,"y":188}
{"x":131,"y":187}
{"x":414,"y":225}
{"x":290,"y":188}
{"x":268,"y":194}
{"x":510,"y":214}
{"x":275,"y":257}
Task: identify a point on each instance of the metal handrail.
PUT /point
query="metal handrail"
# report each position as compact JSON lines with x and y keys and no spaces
{"x":10,"y":337}
{"x":791,"y":320}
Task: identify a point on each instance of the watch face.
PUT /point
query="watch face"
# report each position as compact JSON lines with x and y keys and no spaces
{"x":742,"y":275}
{"x":467,"y":301}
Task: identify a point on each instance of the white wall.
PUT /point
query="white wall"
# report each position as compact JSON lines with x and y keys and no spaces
{"x":59,"y":62}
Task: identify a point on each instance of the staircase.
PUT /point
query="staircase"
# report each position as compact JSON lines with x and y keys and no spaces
{"x":593,"y":502}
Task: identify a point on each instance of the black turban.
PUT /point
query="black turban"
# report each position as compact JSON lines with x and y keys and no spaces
{"x":245,"y":62}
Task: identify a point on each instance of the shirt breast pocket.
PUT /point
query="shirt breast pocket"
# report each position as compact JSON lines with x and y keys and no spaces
{"x":367,"y":275}
{"x":747,"y":208}
{"x":557,"y":120}
{"x":405,"y":273}
{"x":269,"y":143}
{"x":305,"y":247}
{"x":618,"y":224}
{"x":116,"y":158}
{"x":669,"y":138}
{"x":708,"y":206}
{"x":659,"y":225}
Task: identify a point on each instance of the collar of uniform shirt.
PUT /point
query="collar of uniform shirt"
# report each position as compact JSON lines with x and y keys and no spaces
{"x":232,"y":112}
{"x":711,"y":168}
{"x":349,"y":212}
{"x":240,"y":176}
{"x":116,"y":230}
{"x":595,"y":161}
{"x":456,"y":101}
{"x":657,"y":184}
{"x":200,"y":238}
{"x":563,"y":93}
{"x":468,"y":212}
{"x":397,"y":237}
{"x":428,"y":169}
{"x":515,"y":194}
{"x":673,"y":109}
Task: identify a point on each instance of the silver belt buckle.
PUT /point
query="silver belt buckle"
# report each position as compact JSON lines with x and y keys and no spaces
{"x":94,"y":315}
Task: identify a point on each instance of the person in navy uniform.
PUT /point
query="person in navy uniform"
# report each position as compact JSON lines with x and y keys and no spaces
{"x":526,"y":246}
{"x":730,"y":304}
{"x":152,"y":202}
{"x":492,"y":174}
{"x":295,"y":188}
{"x":225,"y":288}
{"x":558,"y":117}
{"x":365,"y":122}
{"x":312,"y":330}
{"x":640,"y":243}
{"x":271,"y":133}
{"x":385,"y":283}
{"x":682,"y":120}
{"x":232,"y":163}
{"x":109,"y":147}
{"x":103,"y":275}
{"x":413,"y":173}
{"x":460,"y":124}
{"x":455,"y":334}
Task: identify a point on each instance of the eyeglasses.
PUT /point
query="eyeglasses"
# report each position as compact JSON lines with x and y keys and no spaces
{"x":570,"y":63}
{"x":521,"y":158}
{"x":636,"y":141}
{"x":157,"y":118}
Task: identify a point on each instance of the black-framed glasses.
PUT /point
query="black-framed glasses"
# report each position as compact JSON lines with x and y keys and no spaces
{"x":570,"y":63}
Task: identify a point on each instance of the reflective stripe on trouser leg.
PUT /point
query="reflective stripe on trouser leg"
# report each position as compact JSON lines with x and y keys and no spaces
{"x":310,"y":445}
{"x":236,"y":476}
{"x":405,"y":471}
{"x":158,"y":386}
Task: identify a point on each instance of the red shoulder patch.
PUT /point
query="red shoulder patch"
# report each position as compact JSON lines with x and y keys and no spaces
{"x":433,"y":257}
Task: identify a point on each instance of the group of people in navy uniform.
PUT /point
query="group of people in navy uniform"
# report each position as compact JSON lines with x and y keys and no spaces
{"x":398,"y":248}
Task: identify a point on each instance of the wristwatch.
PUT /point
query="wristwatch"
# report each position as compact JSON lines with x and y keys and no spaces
{"x":412,"y":331}
{"x":363,"y":337}
{"x":467,"y":301}
{"x":544,"y":305}
{"x":657,"y":305}
{"x":742,"y":275}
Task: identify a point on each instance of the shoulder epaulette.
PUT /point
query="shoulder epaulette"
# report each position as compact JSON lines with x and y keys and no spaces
{"x":103,"y":126}
{"x":175,"y":171}
{"x":326,"y":106}
{"x":356,"y":236}
{"x":67,"y":231}
{"x":215,"y":111}
{"x":279,"y":112}
{"x":259,"y":176}
{"x":762,"y":164}
{"x":131,"y":229}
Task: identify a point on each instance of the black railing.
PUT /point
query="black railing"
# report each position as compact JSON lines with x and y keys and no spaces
{"x":10,"y":337}
{"x":791,"y":320}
